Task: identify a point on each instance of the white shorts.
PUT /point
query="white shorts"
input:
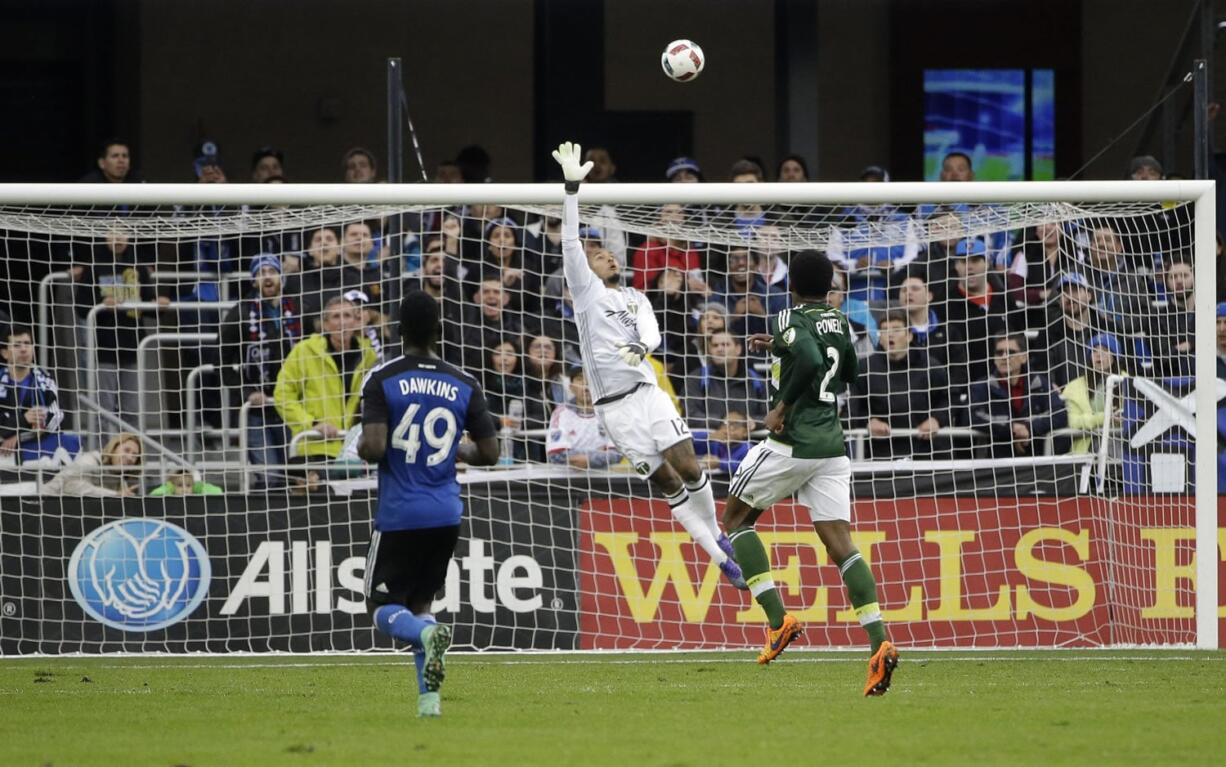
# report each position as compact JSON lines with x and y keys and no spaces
{"x":642,"y":425}
{"x":769,"y":474}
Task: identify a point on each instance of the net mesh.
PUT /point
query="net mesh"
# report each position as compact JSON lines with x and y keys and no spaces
{"x":1020,"y":429}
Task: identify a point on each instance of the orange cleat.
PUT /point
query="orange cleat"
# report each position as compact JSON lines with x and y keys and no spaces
{"x":778,"y":639}
{"x":880,"y":668}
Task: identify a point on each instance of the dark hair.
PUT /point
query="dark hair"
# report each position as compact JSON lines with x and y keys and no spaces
{"x":1176,"y":261}
{"x":419,"y":319}
{"x":311,"y":233}
{"x":474,"y":163}
{"x":576,"y":371}
{"x":356,"y":151}
{"x":746,"y":165}
{"x":106,"y":144}
{"x":266,"y":151}
{"x":810,"y":274}
{"x":510,"y":341}
{"x":17,"y":330}
{"x":916,"y":271}
{"x":963,"y":155}
{"x":555,"y":367}
{"x":896,"y":315}
{"x":1017,"y":338}
{"x":796,"y":159}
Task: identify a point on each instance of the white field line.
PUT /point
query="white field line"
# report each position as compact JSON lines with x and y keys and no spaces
{"x":473,"y":658}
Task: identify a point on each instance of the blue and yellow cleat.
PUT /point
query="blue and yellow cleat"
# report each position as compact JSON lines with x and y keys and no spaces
{"x":435,"y":640}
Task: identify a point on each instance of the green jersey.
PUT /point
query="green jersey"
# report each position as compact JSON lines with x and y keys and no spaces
{"x":812,"y":362}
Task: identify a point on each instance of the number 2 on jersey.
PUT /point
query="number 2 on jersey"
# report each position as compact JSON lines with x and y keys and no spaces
{"x":442,"y":443}
{"x":822,"y":394}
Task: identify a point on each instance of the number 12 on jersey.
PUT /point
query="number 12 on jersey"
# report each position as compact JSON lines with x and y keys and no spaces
{"x":408,"y":434}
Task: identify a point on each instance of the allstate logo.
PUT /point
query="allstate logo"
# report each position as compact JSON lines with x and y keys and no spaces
{"x":139,"y":574}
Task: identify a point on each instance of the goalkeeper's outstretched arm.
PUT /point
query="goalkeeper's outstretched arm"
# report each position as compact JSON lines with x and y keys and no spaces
{"x":579,"y":276}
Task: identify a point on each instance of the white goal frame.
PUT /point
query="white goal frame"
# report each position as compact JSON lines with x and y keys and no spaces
{"x":1201,"y":194}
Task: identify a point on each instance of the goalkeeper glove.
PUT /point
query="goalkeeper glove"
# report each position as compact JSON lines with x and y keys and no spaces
{"x":632,"y":353}
{"x":568,"y":155}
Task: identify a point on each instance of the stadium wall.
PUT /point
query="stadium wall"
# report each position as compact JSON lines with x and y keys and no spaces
{"x":546,"y":566}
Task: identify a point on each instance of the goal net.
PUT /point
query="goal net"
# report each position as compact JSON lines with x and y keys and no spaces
{"x":1035,"y":364}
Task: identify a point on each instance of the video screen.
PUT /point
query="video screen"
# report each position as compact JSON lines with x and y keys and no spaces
{"x":985,"y":113}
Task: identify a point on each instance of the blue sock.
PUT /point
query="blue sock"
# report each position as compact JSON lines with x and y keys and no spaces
{"x":396,"y":621}
{"x":419,"y":658}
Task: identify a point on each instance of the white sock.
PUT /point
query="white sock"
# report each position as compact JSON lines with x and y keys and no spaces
{"x":683,"y":510}
{"x":703,"y":500}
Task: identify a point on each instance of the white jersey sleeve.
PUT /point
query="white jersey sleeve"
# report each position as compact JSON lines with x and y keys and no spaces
{"x":645,"y":318}
{"x":605,"y":317}
{"x":585,"y":286}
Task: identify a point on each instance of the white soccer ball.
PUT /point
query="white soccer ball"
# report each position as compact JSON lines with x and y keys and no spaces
{"x":682,"y":60}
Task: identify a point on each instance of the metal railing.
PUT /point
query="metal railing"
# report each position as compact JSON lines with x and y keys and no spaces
{"x":45,"y":321}
{"x":193,"y":429}
{"x":158,"y":340}
{"x":91,"y":343}
{"x":310,"y":435}
{"x":224,"y":280}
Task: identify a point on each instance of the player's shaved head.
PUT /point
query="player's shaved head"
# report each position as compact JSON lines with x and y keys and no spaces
{"x":419,"y":320}
{"x":810,"y":274}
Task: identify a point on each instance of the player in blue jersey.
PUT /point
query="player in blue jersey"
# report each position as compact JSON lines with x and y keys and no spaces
{"x":428,"y":404}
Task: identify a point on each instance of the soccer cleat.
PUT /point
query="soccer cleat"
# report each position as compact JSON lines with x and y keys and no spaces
{"x":435,"y":640}
{"x":428,"y":705}
{"x":778,"y":639}
{"x":732,"y":571}
{"x":880,"y":668}
{"x":725,"y":545}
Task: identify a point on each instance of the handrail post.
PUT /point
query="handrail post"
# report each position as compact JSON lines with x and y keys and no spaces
{"x":243,"y":414}
{"x":44,"y":308}
{"x":189,"y":385}
{"x":156,"y":339}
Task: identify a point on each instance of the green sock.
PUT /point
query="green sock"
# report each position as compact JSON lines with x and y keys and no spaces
{"x":756,"y":567}
{"x":862,"y":590}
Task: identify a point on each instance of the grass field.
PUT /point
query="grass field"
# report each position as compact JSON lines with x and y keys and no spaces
{"x":1050,"y":708}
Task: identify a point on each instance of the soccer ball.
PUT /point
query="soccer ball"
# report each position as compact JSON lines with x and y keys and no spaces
{"x":682,"y":60}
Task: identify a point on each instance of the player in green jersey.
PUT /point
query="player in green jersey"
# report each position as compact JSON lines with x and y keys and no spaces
{"x":812,"y":362}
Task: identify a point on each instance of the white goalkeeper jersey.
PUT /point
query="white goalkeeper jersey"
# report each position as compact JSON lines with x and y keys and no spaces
{"x":606,"y":318}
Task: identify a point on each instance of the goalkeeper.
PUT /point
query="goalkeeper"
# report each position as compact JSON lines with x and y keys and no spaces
{"x":812,"y":362}
{"x":617,"y":330}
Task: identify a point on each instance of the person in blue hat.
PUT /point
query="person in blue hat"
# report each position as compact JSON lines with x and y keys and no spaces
{"x":976,"y":310}
{"x":207,"y":164}
{"x":683,"y":170}
{"x":258,"y":335}
{"x":1085,"y":397}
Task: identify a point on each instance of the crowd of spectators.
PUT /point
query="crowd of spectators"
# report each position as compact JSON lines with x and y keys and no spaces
{"x":1011,"y":333}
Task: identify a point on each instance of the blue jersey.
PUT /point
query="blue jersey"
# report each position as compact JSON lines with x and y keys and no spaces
{"x":427,"y":405}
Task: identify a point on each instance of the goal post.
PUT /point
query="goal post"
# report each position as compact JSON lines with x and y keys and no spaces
{"x":1094,"y":547}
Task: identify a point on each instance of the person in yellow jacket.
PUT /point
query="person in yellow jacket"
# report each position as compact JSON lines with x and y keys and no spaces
{"x":665,"y":385}
{"x":320,"y":383}
{"x":1085,"y":397}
